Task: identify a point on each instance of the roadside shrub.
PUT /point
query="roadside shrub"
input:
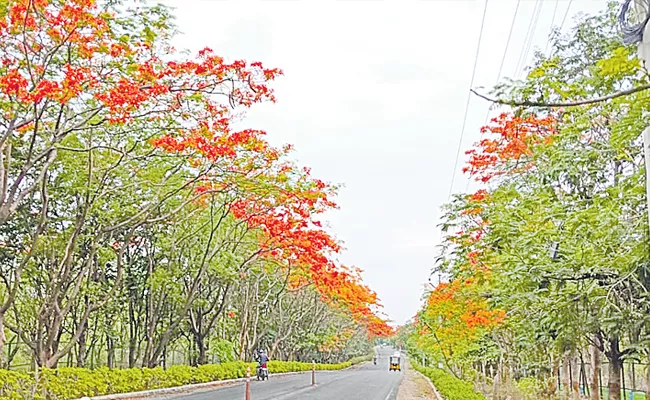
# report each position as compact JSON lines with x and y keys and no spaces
{"x":15,"y":385}
{"x":126,"y":380}
{"x":276,"y":367}
{"x":360,"y":359}
{"x":534,"y":388}
{"x":72,"y":383}
{"x":449,"y":387}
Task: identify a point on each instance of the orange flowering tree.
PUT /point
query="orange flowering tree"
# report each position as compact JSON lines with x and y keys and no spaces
{"x":458,"y":316}
{"x":509,"y":145}
{"x":542,"y":256}
{"x":291,"y":234}
{"x":453,"y":319}
{"x":124,"y":181}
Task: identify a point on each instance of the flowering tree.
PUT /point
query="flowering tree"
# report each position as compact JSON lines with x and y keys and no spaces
{"x":557,"y":238}
{"x":122,"y":179}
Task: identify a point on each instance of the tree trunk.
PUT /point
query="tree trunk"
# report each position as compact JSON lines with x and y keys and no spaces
{"x":555,"y":371}
{"x":3,"y":338}
{"x":614,"y":382}
{"x":12,"y":352}
{"x":81,"y":354}
{"x":594,"y":384}
{"x":110,"y":349}
{"x":614,"y":379}
{"x":566,"y":387}
{"x":497,"y":382}
{"x":575,"y":376}
{"x":133,"y":333}
{"x":647,"y":382}
{"x":199,"y":341}
{"x":133,"y":355}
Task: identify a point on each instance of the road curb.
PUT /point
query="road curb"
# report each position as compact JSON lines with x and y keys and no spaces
{"x":180,"y":389}
{"x":426,"y":378}
{"x":194,"y":387}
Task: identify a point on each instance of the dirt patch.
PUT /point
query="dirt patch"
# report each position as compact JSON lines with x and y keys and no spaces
{"x":414,"y":387}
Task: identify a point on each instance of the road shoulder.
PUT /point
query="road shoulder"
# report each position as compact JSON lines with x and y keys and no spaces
{"x":414,"y":386}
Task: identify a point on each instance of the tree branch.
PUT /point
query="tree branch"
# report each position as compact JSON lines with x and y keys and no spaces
{"x":514,"y":103}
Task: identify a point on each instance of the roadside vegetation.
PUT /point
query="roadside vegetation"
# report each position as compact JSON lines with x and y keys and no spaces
{"x":548,"y":266}
{"x":73,"y":383}
{"x":142,"y":225}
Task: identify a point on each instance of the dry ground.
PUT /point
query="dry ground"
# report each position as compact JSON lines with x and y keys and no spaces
{"x":414,"y":386}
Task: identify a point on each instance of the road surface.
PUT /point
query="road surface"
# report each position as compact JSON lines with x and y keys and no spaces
{"x":364,"y":382}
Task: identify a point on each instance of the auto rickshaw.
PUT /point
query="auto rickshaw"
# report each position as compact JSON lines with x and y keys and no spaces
{"x":394,"y":364}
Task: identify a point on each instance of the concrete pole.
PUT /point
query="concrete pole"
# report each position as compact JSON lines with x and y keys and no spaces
{"x":641,"y":7}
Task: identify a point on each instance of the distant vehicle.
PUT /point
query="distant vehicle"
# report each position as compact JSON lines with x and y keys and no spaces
{"x":395,"y":363}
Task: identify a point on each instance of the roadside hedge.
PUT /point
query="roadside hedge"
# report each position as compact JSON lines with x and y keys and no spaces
{"x":449,"y":387}
{"x":73,"y":383}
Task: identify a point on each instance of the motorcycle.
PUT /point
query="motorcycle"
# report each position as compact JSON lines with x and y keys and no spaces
{"x":374,"y":360}
{"x":262,"y":372}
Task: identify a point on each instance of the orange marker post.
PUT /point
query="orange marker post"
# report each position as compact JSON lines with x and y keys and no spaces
{"x":248,"y":383}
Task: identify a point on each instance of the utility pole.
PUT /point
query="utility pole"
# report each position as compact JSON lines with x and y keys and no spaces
{"x":641,"y":7}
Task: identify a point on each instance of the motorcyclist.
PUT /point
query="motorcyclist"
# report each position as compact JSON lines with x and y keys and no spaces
{"x":262,"y":358}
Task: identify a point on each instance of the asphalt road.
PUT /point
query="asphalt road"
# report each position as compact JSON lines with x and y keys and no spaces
{"x":365,"y":382}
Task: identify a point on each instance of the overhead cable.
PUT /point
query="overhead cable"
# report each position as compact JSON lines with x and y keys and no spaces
{"x":469,"y":96}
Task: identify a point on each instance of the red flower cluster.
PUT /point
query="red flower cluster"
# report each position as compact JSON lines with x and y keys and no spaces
{"x":105,"y":78}
{"x":512,"y":140}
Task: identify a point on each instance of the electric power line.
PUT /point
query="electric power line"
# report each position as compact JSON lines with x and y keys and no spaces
{"x":566,"y":13}
{"x":548,"y":41}
{"x":503,"y":60}
{"x":531,"y":38}
{"x":469,"y":97}
{"x":530,"y":24}
{"x":505,"y":52}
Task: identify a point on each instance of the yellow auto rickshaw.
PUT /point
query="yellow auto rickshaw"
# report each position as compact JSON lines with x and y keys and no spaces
{"x":394,"y":364}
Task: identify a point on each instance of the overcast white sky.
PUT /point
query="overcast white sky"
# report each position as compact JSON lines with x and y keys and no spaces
{"x":373,"y":97}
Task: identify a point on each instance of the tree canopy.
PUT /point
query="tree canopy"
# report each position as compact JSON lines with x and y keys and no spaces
{"x":548,"y":264}
{"x":136,"y":221}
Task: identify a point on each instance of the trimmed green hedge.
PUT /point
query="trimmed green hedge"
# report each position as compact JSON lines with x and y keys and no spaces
{"x":449,"y":387}
{"x":71,"y":383}
{"x":15,"y":385}
{"x":360,"y":359}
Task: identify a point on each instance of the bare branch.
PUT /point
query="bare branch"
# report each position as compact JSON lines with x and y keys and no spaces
{"x":576,"y":103}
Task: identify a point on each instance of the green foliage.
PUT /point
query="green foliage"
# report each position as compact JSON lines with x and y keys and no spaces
{"x":531,"y":388}
{"x":360,"y":359}
{"x":138,"y":245}
{"x":581,"y":188}
{"x":224,"y":350}
{"x":449,"y":387}
{"x":68,"y":383}
{"x":15,"y":385}
{"x":295,"y":366}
